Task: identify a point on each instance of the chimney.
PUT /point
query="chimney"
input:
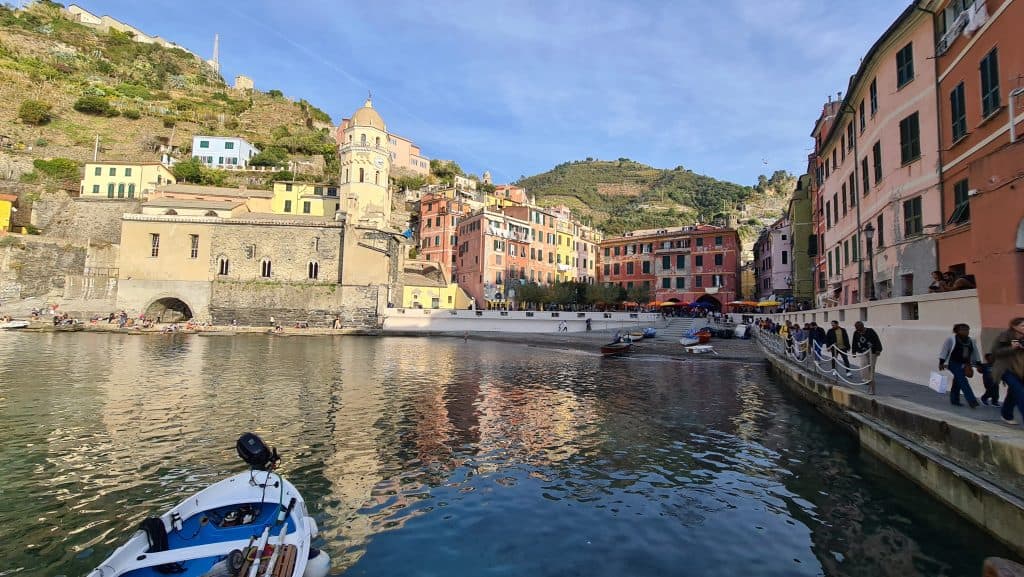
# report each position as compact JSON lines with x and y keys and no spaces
{"x":839,"y":95}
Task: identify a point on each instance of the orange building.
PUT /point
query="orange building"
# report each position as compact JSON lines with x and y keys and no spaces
{"x":979,"y":64}
{"x":439,"y":219}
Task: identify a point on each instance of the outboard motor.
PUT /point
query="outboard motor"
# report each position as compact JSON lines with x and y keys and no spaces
{"x":255,"y":452}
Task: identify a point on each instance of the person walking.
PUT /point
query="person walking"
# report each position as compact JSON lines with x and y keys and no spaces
{"x":1008,"y":353}
{"x":839,"y":341}
{"x":866,"y":341}
{"x":960,"y":352}
{"x":991,"y":396}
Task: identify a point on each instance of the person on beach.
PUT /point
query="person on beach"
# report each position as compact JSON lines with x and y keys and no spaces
{"x":1008,"y":366}
{"x":960,"y":352}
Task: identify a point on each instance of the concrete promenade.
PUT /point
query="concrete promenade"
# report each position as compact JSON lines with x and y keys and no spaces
{"x":967,"y":458}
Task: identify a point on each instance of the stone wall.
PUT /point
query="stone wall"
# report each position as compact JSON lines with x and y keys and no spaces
{"x":253,"y":303}
{"x":37,"y":267}
{"x":82,"y":220}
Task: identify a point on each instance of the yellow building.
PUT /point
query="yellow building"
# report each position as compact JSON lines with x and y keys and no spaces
{"x":316,"y":199}
{"x":365,"y":168}
{"x":424,"y":287}
{"x":565,"y":252}
{"x":123,"y":179}
{"x":6,"y":210}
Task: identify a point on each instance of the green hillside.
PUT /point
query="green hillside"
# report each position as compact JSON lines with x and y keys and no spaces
{"x":82,"y":83}
{"x":622,"y":195}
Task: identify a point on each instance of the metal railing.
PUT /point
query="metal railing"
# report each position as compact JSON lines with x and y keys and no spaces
{"x":844,"y":367}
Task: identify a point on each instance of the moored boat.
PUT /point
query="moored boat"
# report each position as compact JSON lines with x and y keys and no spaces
{"x":253,"y":523}
{"x":637,"y":335}
{"x":616,"y":348}
{"x":689,"y":341}
{"x":10,"y":325}
{"x":650,"y":333}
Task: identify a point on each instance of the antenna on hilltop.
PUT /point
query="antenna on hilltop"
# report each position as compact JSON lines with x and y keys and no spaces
{"x":215,"y":61}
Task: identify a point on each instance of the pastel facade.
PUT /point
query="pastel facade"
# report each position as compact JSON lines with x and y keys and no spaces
{"x":255,"y":200}
{"x":494,"y":255}
{"x":816,"y":164}
{"x":981,"y":123}
{"x":306,"y":198}
{"x":507,"y":195}
{"x":773,"y":264}
{"x":6,"y":211}
{"x":881,"y":160}
{"x":407,"y":156}
{"x":123,"y":179}
{"x":365,"y":168}
{"x":223,"y":151}
{"x":439,"y":218}
{"x":686,"y":264}
{"x":425,"y":286}
{"x":802,"y":238}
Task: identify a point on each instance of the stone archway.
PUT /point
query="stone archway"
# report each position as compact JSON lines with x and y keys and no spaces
{"x":169,"y":310}
{"x":713,"y":303}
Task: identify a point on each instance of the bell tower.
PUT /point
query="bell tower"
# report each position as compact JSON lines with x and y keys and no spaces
{"x":365,"y":167}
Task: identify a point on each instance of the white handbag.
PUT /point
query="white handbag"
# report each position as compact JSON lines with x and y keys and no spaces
{"x":939,"y":382}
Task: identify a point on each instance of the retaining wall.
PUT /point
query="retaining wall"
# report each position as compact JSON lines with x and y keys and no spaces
{"x":451,"y":320}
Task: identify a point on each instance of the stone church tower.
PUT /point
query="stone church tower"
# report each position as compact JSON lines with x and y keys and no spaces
{"x":365,"y":168}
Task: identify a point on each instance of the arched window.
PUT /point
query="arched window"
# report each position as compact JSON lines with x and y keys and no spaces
{"x":376,"y":177}
{"x":361,"y":175}
{"x":265,"y":268}
{"x":131,"y":191}
{"x":313,"y":270}
{"x":120,"y":190}
{"x":223,"y":266}
{"x":346,"y":175}
{"x":170,"y":211}
{"x":378,"y":142}
{"x":316,"y":243}
{"x":211,"y":213}
{"x":362,"y":139}
{"x":350,"y":139}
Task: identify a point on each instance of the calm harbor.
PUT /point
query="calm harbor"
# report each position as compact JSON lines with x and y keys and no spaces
{"x":469,"y":458}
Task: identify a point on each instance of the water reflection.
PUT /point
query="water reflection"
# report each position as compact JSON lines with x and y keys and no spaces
{"x":445,"y":457}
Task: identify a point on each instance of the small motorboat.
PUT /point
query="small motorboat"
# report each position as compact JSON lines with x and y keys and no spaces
{"x":650,"y":333}
{"x":689,"y":341}
{"x":9,"y":325}
{"x":637,"y":335}
{"x":253,"y":523}
{"x":701,"y":349}
{"x":616,"y":348}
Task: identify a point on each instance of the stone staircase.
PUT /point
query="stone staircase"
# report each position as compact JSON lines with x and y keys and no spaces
{"x":679,"y":326}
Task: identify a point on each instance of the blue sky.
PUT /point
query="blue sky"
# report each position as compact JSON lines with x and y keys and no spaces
{"x":517,"y":87}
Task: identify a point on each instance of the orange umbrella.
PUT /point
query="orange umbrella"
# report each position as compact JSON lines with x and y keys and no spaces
{"x":629,"y":304}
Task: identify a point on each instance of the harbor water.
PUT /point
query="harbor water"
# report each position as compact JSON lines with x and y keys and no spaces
{"x":447,"y":457}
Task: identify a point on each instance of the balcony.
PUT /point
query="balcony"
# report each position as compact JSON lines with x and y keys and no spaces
{"x":355,"y":146}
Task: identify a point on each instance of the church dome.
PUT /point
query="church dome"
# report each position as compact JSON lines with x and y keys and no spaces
{"x":367,"y":116}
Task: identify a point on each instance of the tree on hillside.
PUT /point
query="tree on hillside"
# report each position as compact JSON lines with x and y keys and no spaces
{"x":34,"y":112}
{"x":190,"y":170}
{"x":445,"y":170}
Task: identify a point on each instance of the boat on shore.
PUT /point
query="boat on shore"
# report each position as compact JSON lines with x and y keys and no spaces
{"x":689,"y":341}
{"x":616,"y":348}
{"x":637,"y":335}
{"x":650,"y":333}
{"x":252,"y":523}
{"x":11,"y":325}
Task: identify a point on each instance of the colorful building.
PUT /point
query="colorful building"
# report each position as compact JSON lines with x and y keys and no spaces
{"x":6,"y":211}
{"x":507,"y":195}
{"x":979,"y":58}
{"x":255,"y":200}
{"x":687,"y":264}
{"x":773,"y":265}
{"x":801,"y":240}
{"x":881,"y":177}
{"x":438,"y":225}
{"x":223,"y":151}
{"x":816,"y":162}
{"x":123,"y":179}
{"x":365,"y":168}
{"x":492,"y":257}
{"x":426,"y":285}
{"x":316,"y":199}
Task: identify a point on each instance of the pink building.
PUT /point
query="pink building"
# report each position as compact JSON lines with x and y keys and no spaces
{"x":773,"y":260}
{"x":493,"y":249}
{"x":881,"y":169}
{"x":439,"y":218}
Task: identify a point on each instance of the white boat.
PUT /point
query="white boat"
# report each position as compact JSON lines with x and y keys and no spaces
{"x":14,"y":325}
{"x":689,"y":341}
{"x":253,"y":523}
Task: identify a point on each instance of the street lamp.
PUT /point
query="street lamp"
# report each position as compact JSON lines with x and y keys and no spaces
{"x":869,"y":234}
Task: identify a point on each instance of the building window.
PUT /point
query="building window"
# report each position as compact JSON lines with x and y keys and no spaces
{"x":989,"y":83}
{"x":846,"y":252}
{"x":362,"y":139}
{"x":910,"y":139}
{"x":905,"y":65}
{"x":95,"y":189}
{"x":154,"y":245}
{"x":287,"y":206}
{"x":828,"y":214}
{"x":666,"y":262}
{"x":863,"y":121}
{"x":223,"y":265}
{"x":193,"y":245}
{"x":698,"y":281}
{"x":865,"y":181}
{"x":719,"y":240}
{"x":220,"y":160}
{"x":131,"y":191}
{"x":265,"y":268}
{"x":666,"y":283}
{"x":720,"y":259}
{"x":700,"y":241}
{"x":880,"y":233}
{"x":376,"y":177}
{"x":127,"y":172}
{"x":362,"y":175}
{"x":629,"y":268}
{"x":698,"y":260}
{"x":962,"y":206}
{"x":305,"y":207}
{"x":313,"y":270}
{"x":110,"y":190}
{"x":844,"y":198}
{"x":287,"y":187}
{"x":958,"y":108}
{"x":835,"y":208}
{"x":120,"y":190}
{"x":615,"y":269}
{"x":229,"y":146}
{"x":829,"y":263}
{"x":97,"y":171}
{"x":874,"y":96}
{"x":204,"y":144}
{"x":680,"y":282}
{"x":876,"y":153}
{"x":645,"y":267}
{"x":606,"y":268}
{"x":680,"y":261}
{"x":912,"y":224}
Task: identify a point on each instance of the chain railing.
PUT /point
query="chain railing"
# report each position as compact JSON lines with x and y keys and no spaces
{"x":846,"y":367}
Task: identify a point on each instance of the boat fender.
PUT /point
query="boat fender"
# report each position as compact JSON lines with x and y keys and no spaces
{"x":156,"y":532}
{"x":318,"y":565}
{"x":227,"y":567}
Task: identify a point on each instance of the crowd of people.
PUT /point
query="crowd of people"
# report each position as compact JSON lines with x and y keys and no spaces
{"x":950,"y":281}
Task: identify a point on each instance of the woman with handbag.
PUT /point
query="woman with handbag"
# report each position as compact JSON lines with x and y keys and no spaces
{"x":1008,"y":352}
{"x":960,"y":353}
